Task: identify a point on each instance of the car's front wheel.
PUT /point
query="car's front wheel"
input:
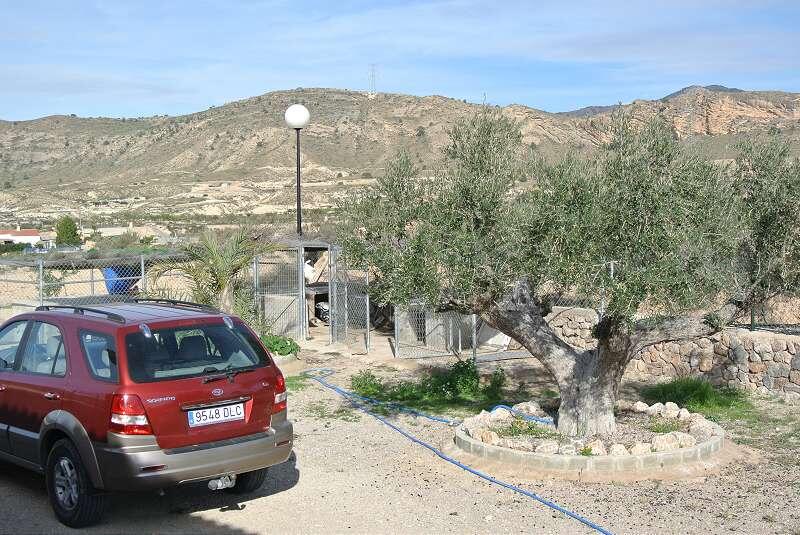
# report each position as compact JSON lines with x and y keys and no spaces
{"x":74,"y":500}
{"x":250,"y":481}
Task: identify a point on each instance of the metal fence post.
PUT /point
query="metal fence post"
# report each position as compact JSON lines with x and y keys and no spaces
{"x":366,"y":301}
{"x":459,"y":334}
{"x":143,"y":273}
{"x":301,"y":293}
{"x":474,"y":336}
{"x":331,"y":296}
{"x":255,"y":286}
{"x":41,"y":282}
{"x":396,"y":332}
{"x":91,"y":280}
{"x":346,"y":306}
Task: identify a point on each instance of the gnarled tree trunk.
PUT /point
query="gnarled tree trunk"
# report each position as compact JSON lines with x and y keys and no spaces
{"x":588,"y":380}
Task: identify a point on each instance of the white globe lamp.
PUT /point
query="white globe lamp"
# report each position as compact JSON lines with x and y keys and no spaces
{"x":296,"y":116}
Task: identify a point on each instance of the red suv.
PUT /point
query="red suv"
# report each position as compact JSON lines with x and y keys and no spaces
{"x":139,"y":395}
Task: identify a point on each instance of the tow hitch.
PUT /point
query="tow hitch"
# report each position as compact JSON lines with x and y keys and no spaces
{"x":224,"y":482}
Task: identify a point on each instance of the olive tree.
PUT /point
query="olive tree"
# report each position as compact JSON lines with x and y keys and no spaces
{"x":473,"y":238}
{"x":768,"y":181}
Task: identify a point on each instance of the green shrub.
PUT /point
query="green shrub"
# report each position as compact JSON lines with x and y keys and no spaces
{"x":459,"y":385}
{"x":280,"y":345}
{"x":367,"y":384}
{"x":586,"y":451}
{"x":698,"y":395}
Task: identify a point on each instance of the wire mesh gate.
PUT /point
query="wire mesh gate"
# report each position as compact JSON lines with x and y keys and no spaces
{"x":421,"y":332}
{"x":279,"y":288}
{"x":349,"y":304}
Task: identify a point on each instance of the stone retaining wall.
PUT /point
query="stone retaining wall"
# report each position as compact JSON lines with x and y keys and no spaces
{"x":758,"y":361}
{"x":574,"y":325}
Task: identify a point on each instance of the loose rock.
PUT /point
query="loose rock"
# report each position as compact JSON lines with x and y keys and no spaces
{"x":641,"y":448}
{"x":567,"y":448}
{"x":667,"y":442}
{"x":490,"y":437}
{"x":656,"y":409}
{"x":640,"y":406}
{"x":548,"y":446}
{"x":597,"y":447}
{"x":685,"y":440}
{"x":531,"y":408}
{"x":671,"y":410}
{"x":618,"y":449}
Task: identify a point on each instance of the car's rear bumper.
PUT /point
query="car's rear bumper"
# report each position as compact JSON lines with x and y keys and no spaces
{"x":137,"y":463}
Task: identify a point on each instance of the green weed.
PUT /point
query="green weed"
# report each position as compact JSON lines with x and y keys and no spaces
{"x":295,"y":383}
{"x":698,"y":395}
{"x":457,"y":387}
{"x":322,"y":411}
{"x":664,"y":425}
{"x":519,"y":427}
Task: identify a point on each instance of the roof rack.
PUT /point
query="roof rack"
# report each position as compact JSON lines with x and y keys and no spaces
{"x":175,"y":303}
{"x":77,"y":309}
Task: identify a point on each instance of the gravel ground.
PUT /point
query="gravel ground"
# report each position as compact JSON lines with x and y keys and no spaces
{"x":350,"y":473}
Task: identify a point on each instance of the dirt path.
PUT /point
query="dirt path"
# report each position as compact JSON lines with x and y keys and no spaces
{"x":351,"y":474}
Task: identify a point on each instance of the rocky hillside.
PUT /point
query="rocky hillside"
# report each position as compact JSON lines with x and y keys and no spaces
{"x":239,"y":158}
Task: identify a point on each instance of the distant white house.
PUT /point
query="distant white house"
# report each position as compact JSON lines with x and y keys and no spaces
{"x":28,"y":236}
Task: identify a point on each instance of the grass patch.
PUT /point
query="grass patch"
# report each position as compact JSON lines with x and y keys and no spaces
{"x":457,"y":387}
{"x":664,"y":425}
{"x":295,"y":383}
{"x":519,"y":427}
{"x":586,"y":451}
{"x":699,"y":395}
{"x":322,"y":411}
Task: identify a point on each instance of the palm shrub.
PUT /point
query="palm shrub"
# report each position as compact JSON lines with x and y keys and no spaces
{"x":215,"y":268}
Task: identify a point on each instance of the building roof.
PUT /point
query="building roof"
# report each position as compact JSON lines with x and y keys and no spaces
{"x":21,"y":232}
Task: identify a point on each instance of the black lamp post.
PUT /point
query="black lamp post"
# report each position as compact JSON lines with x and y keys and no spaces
{"x":297,"y":117}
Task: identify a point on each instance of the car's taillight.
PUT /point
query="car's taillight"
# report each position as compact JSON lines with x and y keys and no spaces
{"x":280,"y":394}
{"x":128,"y":416}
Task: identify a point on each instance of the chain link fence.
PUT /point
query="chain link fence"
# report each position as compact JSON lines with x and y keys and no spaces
{"x":279,"y":291}
{"x":26,"y":284}
{"x":350,"y":321}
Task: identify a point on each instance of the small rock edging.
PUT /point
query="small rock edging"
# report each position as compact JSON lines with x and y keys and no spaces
{"x":668,"y":450}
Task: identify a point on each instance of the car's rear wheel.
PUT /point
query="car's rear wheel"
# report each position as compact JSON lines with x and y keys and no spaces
{"x":250,"y":481}
{"x":73,"y":499}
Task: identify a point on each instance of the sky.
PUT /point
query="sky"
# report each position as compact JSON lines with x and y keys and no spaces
{"x":129,"y":58}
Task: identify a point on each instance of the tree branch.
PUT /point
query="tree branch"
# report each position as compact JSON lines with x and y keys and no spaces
{"x":644,"y":334}
{"x":520,"y":316}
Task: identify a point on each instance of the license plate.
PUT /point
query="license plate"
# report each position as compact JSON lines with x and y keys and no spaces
{"x":216,"y":415}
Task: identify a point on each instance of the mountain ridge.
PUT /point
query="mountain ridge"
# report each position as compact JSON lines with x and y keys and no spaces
{"x":178,"y":165}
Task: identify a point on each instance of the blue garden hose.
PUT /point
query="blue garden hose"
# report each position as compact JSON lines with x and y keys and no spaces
{"x":319,"y":374}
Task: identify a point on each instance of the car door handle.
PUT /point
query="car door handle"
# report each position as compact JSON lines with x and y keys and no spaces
{"x":51,"y":395}
{"x":3,"y":387}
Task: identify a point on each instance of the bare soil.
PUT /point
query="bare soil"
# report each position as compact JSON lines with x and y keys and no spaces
{"x":352,"y":474}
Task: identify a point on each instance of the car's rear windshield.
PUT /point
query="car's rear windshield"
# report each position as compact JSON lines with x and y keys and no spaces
{"x":191,"y":351}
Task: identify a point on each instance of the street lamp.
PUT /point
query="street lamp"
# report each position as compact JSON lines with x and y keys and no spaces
{"x":297,"y":117}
